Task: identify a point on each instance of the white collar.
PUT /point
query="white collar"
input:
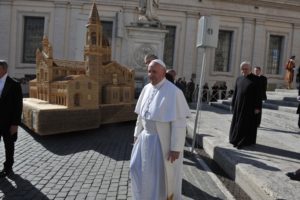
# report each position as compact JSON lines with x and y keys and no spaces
{"x":158,"y":85}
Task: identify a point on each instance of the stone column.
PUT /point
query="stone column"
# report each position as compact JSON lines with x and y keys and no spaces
{"x":296,"y":43}
{"x":189,"y":59}
{"x":259,"y":43}
{"x":247,"y":39}
{"x":61,"y":27}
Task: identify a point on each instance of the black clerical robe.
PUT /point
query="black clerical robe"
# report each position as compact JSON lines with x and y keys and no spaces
{"x":246,"y":98}
{"x":263,"y":84}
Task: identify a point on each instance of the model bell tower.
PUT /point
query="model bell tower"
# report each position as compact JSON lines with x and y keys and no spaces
{"x":93,"y":45}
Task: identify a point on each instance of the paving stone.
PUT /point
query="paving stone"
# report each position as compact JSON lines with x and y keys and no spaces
{"x":90,"y":164}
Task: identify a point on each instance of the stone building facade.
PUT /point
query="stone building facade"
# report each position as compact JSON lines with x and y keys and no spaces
{"x":265,"y":32}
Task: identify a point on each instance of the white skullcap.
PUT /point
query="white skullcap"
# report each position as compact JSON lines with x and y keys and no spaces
{"x":158,"y":61}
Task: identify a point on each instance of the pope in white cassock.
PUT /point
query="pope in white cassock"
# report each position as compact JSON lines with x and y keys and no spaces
{"x":156,"y":159}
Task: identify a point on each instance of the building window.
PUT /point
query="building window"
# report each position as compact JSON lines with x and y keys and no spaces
{"x":107,"y":27}
{"x":274,"y":54}
{"x":93,"y":37}
{"x":89,"y":85}
{"x":33,"y":35}
{"x":223,"y":51}
{"x":169,"y":48}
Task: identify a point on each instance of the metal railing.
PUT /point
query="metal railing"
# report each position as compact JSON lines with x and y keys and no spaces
{"x":210,"y":95}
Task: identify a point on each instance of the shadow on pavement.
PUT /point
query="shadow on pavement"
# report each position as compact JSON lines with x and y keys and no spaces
{"x":274,"y":151}
{"x":22,"y":189}
{"x":193,"y":192}
{"x":198,"y":140}
{"x":113,"y":140}
{"x":237,"y":157}
{"x":206,"y":107}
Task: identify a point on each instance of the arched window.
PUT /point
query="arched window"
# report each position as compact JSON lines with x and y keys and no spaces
{"x":93,"y":38}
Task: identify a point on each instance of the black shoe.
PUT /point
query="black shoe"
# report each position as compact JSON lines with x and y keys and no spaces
{"x":5,"y":173}
{"x":293,"y":176}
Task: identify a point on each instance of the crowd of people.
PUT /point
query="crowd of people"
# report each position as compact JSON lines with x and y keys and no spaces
{"x":164,"y":131}
{"x":157,"y":156}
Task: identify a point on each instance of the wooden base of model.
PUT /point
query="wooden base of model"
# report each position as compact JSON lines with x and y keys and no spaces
{"x":48,"y":119}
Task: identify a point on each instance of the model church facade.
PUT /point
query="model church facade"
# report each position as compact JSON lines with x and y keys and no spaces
{"x":96,"y":85}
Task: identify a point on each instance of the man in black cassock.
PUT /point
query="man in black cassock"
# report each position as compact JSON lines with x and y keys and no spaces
{"x":246,"y":104}
{"x":263,"y":86}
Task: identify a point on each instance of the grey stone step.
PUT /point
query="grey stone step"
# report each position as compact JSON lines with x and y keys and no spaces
{"x":293,"y":91}
{"x":221,"y":105}
{"x":280,"y":108}
{"x":287,"y":102}
{"x":226,"y":106}
{"x":259,"y":169}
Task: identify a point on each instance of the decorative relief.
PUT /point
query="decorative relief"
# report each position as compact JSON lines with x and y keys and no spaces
{"x":139,"y":54}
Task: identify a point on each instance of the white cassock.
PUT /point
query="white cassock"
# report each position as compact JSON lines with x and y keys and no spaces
{"x":161,"y":127}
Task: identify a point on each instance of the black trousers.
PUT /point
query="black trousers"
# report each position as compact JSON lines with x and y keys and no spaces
{"x":9,"y":144}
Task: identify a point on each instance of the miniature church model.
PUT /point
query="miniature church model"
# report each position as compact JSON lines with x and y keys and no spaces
{"x":97,"y":89}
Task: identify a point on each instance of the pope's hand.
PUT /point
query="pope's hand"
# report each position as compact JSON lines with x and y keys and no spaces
{"x":173,"y":155}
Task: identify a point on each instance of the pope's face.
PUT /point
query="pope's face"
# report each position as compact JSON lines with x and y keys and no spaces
{"x":245,"y":70}
{"x":156,"y":73}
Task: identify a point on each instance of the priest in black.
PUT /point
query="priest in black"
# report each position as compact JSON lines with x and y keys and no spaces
{"x":263,"y":81}
{"x":10,"y":115}
{"x":246,"y":104}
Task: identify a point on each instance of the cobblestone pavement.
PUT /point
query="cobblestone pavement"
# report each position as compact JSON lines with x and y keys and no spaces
{"x":88,"y":165}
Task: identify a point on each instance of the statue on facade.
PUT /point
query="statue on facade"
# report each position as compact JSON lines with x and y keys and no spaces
{"x":148,"y":10}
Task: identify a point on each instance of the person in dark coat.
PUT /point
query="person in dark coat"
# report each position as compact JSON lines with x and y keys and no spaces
{"x":215,"y":92}
{"x":205,"y":92}
{"x":263,"y":81}
{"x":298,"y":98}
{"x":223,"y":89}
{"x":11,"y":104}
{"x":171,"y":75}
{"x":190,"y":90}
{"x":246,"y":103}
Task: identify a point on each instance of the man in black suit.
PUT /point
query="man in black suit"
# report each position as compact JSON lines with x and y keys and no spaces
{"x":11,"y":104}
{"x":263,"y":82}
